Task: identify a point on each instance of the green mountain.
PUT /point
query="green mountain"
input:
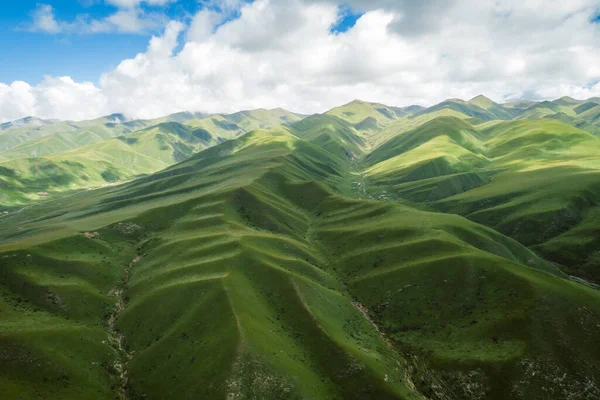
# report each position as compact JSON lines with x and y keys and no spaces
{"x":367,"y":117}
{"x":479,"y":107}
{"x":434,"y":255}
{"x":105,"y":153}
{"x":30,"y":122}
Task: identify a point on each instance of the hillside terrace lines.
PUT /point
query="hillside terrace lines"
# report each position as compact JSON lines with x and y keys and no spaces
{"x":462,"y":258}
{"x":258,"y":264}
{"x":138,"y":299}
{"x":405,"y":249}
{"x":206,"y":268}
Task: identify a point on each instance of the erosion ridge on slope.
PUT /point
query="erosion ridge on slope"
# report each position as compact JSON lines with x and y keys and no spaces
{"x":268,"y":267}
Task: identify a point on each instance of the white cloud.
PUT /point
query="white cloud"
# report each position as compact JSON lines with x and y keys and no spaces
{"x":57,"y":97}
{"x":43,"y":19}
{"x":129,"y":18}
{"x":281,"y":53}
{"x":135,"y":3}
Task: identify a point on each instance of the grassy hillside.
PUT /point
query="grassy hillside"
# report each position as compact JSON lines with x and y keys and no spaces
{"x":426,"y":257}
{"x":367,"y":117}
{"x":105,"y":153}
{"x":251,"y":270}
{"x":479,"y":107}
{"x":533,"y":180}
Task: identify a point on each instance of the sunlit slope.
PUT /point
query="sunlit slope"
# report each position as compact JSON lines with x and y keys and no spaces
{"x":254,"y":277}
{"x":479,"y":107}
{"x":263,"y":119}
{"x":550,"y":186}
{"x":230,"y":126}
{"x":28,"y":179}
{"x":443,"y":147}
{"x":550,"y":178}
{"x":367,"y":117}
{"x":59,"y":143}
{"x":106,"y":162}
{"x":82,"y":159}
{"x":9,"y":138}
{"x":108,"y":126}
{"x":411,"y":122}
{"x":592,"y":114}
{"x":51,"y":137}
{"x":101,"y":163}
{"x":41,"y":138}
{"x":533,"y":180}
{"x":455,"y":130}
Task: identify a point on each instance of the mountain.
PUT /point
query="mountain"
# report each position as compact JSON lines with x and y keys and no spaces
{"x":434,"y":255}
{"x":27,"y":122}
{"x":479,"y":107}
{"x":99,"y":153}
{"x":370,"y":117}
{"x":567,"y":101}
{"x":576,"y":122}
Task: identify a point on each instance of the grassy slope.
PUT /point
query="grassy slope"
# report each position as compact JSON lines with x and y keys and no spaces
{"x":534,"y":180}
{"x":479,"y":107}
{"x":263,"y":119}
{"x":86,"y":158}
{"x":12,"y":137}
{"x":247,"y":285}
{"x":59,"y":143}
{"x":367,"y":118}
{"x":250,"y":253}
{"x":51,"y":137}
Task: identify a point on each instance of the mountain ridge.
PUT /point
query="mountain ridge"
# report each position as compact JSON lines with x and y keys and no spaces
{"x":369,"y":252}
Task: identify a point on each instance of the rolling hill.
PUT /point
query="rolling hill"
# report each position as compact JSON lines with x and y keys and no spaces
{"x":109,"y":153}
{"x":421,"y":255}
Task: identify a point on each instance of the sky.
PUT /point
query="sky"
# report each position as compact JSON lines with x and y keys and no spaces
{"x":81,"y":59}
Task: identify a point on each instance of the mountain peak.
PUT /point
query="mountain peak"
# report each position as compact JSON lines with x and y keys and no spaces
{"x":566,"y":101}
{"x":568,"y":98}
{"x":482,"y":101}
{"x":116,"y":118}
{"x":29,"y":121}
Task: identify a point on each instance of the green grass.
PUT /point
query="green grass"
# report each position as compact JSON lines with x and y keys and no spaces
{"x":264,"y":267}
{"x":97,"y":153}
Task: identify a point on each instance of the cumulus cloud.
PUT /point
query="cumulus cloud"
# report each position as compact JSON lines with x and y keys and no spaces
{"x":278,"y":53}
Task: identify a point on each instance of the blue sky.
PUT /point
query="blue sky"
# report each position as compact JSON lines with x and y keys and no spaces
{"x":29,"y":56}
{"x":347,"y":21}
{"x":302,"y":55}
